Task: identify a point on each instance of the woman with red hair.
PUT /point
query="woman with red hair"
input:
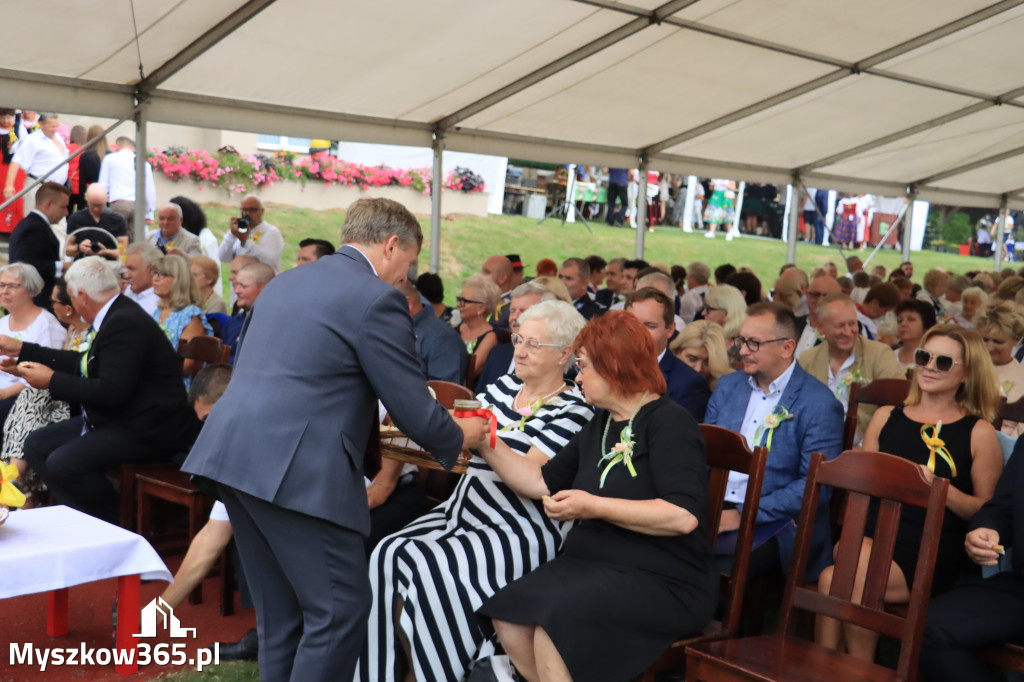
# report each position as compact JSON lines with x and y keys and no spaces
{"x":636,"y":570}
{"x":547,"y":268}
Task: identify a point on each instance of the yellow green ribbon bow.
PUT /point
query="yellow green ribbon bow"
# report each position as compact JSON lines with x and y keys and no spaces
{"x":83,"y":348}
{"x":936,"y":446}
{"x":10,"y":496}
{"x":771,"y":422}
{"x":623,"y":450}
{"x":525,"y":413}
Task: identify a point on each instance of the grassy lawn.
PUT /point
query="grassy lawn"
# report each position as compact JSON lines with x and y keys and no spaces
{"x":234,"y":671}
{"x":467,"y":240}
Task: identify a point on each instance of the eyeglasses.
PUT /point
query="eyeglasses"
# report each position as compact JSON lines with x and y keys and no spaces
{"x":251,"y":210}
{"x":10,"y":286}
{"x":709,"y":308}
{"x":943,"y":363}
{"x":754,"y":345}
{"x":580,"y":364}
{"x":459,"y":301}
{"x":533,"y":345}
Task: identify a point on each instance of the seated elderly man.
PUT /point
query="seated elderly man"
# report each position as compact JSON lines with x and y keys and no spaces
{"x":502,"y":272}
{"x":172,"y":238}
{"x":684,"y":385}
{"x":96,"y":242}
{"x":440,"y":350}
{"x":128,"y":383}
{"x":806,"y":418}
{"x":248,"y":284}
{"x":138,"y":261}
{"x":500,"y":360}
{"x":846,"y":357}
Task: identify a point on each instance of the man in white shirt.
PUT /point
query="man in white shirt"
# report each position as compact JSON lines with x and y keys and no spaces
{"x":808,"y":325}
{"x":697,"y":277}
{"x":259,"y":239}
{"x":138,"y":259}
{"x":37,"y":154}
{"x":117,"y":175}
{"x":172,"y":238}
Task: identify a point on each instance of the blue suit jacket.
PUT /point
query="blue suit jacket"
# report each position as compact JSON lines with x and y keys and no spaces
{"x":817,"y":426}
{"x":685,"y":385}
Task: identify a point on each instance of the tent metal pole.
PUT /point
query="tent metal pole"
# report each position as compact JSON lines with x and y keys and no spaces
{"x":908,"y":224}
{"x":38,"y":181}
{"x":691,"y":193}
{"x":435,"y":204}
{"x":1004,"y":215}
{"x":739,"y":207}
{"x":641,"y":209}
{"x":793,"y":215}
{"x":140,"y":177}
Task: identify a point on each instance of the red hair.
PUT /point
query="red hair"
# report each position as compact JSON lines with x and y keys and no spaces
{"x":622,"y":351}
{"x":547,"y":267}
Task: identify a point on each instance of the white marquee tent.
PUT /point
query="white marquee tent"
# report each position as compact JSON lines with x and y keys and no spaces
{"x":890,"y":97}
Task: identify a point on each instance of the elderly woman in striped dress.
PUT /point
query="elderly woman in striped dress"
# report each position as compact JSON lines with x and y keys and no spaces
{"x":430,"y":577}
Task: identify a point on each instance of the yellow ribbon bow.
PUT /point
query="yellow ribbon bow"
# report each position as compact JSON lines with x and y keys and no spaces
{"x":936,"y":446}
{"x":10,"y":496}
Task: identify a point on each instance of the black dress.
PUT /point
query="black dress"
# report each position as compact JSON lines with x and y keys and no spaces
{"x":614,"y":599}
{"x":901,"y":436}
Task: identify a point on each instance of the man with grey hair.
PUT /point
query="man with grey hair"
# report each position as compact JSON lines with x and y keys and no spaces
{"x":96,"y":215}
{"x":691,"y":305}
{"x":500,"y":360}
{"x":656,"y":279}
{"x":117,"y":175}
{"x":37,"y":154}
{"x":287,"y":444}
{"x":138,"y":259}
{"x":128,"y":383}
{"x":171,"y":237}
{"x":251,"y":235}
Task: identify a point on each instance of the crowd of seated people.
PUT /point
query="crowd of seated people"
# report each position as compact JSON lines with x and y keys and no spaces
{"x":550,"y":540}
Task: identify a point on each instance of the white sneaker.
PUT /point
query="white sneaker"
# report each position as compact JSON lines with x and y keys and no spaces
{"x":709,"y":235}
{"x":687,"y":229}
{"x":728,"y":236}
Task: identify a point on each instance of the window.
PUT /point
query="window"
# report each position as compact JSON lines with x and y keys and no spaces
{"x":283,"y":143}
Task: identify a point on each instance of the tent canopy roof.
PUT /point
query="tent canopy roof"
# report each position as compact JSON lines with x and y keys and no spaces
{"x":872,"y":96}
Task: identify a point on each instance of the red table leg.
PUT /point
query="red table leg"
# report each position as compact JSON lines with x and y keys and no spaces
{"x":57,"y":612}
{"x":128,"y":620}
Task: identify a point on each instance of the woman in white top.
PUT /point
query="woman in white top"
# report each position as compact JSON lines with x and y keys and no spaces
{"x":1001,"y":325}
{"x":24,"y":321}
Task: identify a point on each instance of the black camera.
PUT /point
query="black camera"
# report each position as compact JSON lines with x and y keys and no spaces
{"x":243,"y":224}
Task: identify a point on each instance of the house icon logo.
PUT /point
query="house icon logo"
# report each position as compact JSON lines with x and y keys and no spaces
{"x":156,"y":610}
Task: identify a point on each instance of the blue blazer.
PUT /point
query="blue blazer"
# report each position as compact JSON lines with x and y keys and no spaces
{"x":686,"y":386}
{"x":817,"y":426}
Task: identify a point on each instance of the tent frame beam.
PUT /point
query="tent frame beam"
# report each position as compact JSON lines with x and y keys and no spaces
{"x":967,"y":167}
{"x":579,"y":54}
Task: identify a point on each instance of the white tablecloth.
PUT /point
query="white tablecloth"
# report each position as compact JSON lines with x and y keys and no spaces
{"x":53,"y":547}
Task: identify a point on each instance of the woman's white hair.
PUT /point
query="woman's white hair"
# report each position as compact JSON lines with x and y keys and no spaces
{"x":563,"y":321}
{"x":729,"y":299}
{"x":93,"y":276}
{"x":29,"y":276}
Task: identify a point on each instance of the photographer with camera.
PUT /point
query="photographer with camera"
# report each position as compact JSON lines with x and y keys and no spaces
{"x":171,"y":238}
{"x":250,"y":235}
{"x":96,"y":214}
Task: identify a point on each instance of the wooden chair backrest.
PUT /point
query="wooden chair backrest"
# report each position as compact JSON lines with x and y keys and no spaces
{"x":895,"y":481}
{"x":447,"y":392}
{"x":727,"y":451}
{"x":206,"y":350}
{"x":1013,"y":412}
{"x":879,"y":392}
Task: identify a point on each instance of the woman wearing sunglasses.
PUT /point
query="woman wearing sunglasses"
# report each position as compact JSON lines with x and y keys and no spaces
{"x":477,"y":302}
{"x":943,"y":426}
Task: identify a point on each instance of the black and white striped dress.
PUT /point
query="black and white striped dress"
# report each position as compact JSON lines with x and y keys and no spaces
{"x":445,"y":564}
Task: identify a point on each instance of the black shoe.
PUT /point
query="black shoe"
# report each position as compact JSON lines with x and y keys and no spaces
{"x":245,"y":649}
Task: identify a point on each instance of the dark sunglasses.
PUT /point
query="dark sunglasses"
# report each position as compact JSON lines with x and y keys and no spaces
{"x":463,"y":301}
{"x":943,"y":363}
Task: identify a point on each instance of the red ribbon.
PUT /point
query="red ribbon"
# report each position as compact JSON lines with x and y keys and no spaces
{"x":486,"y":414}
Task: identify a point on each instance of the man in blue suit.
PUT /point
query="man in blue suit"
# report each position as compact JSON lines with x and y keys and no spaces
{"x":807,"y":419}
{"x":656,"y":312}
{"x":287,"y":443}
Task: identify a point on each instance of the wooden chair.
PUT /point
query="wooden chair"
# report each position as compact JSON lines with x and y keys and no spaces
{"x":1013,"y":412}
{"x":126,"y":473}
{"x":726,"y":451}
{"x":440,"y":484}
{"x":879,"y":392}
{"x":205,"y":350}
{"x":782,"y":656}
{"x":1007,"y":656}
